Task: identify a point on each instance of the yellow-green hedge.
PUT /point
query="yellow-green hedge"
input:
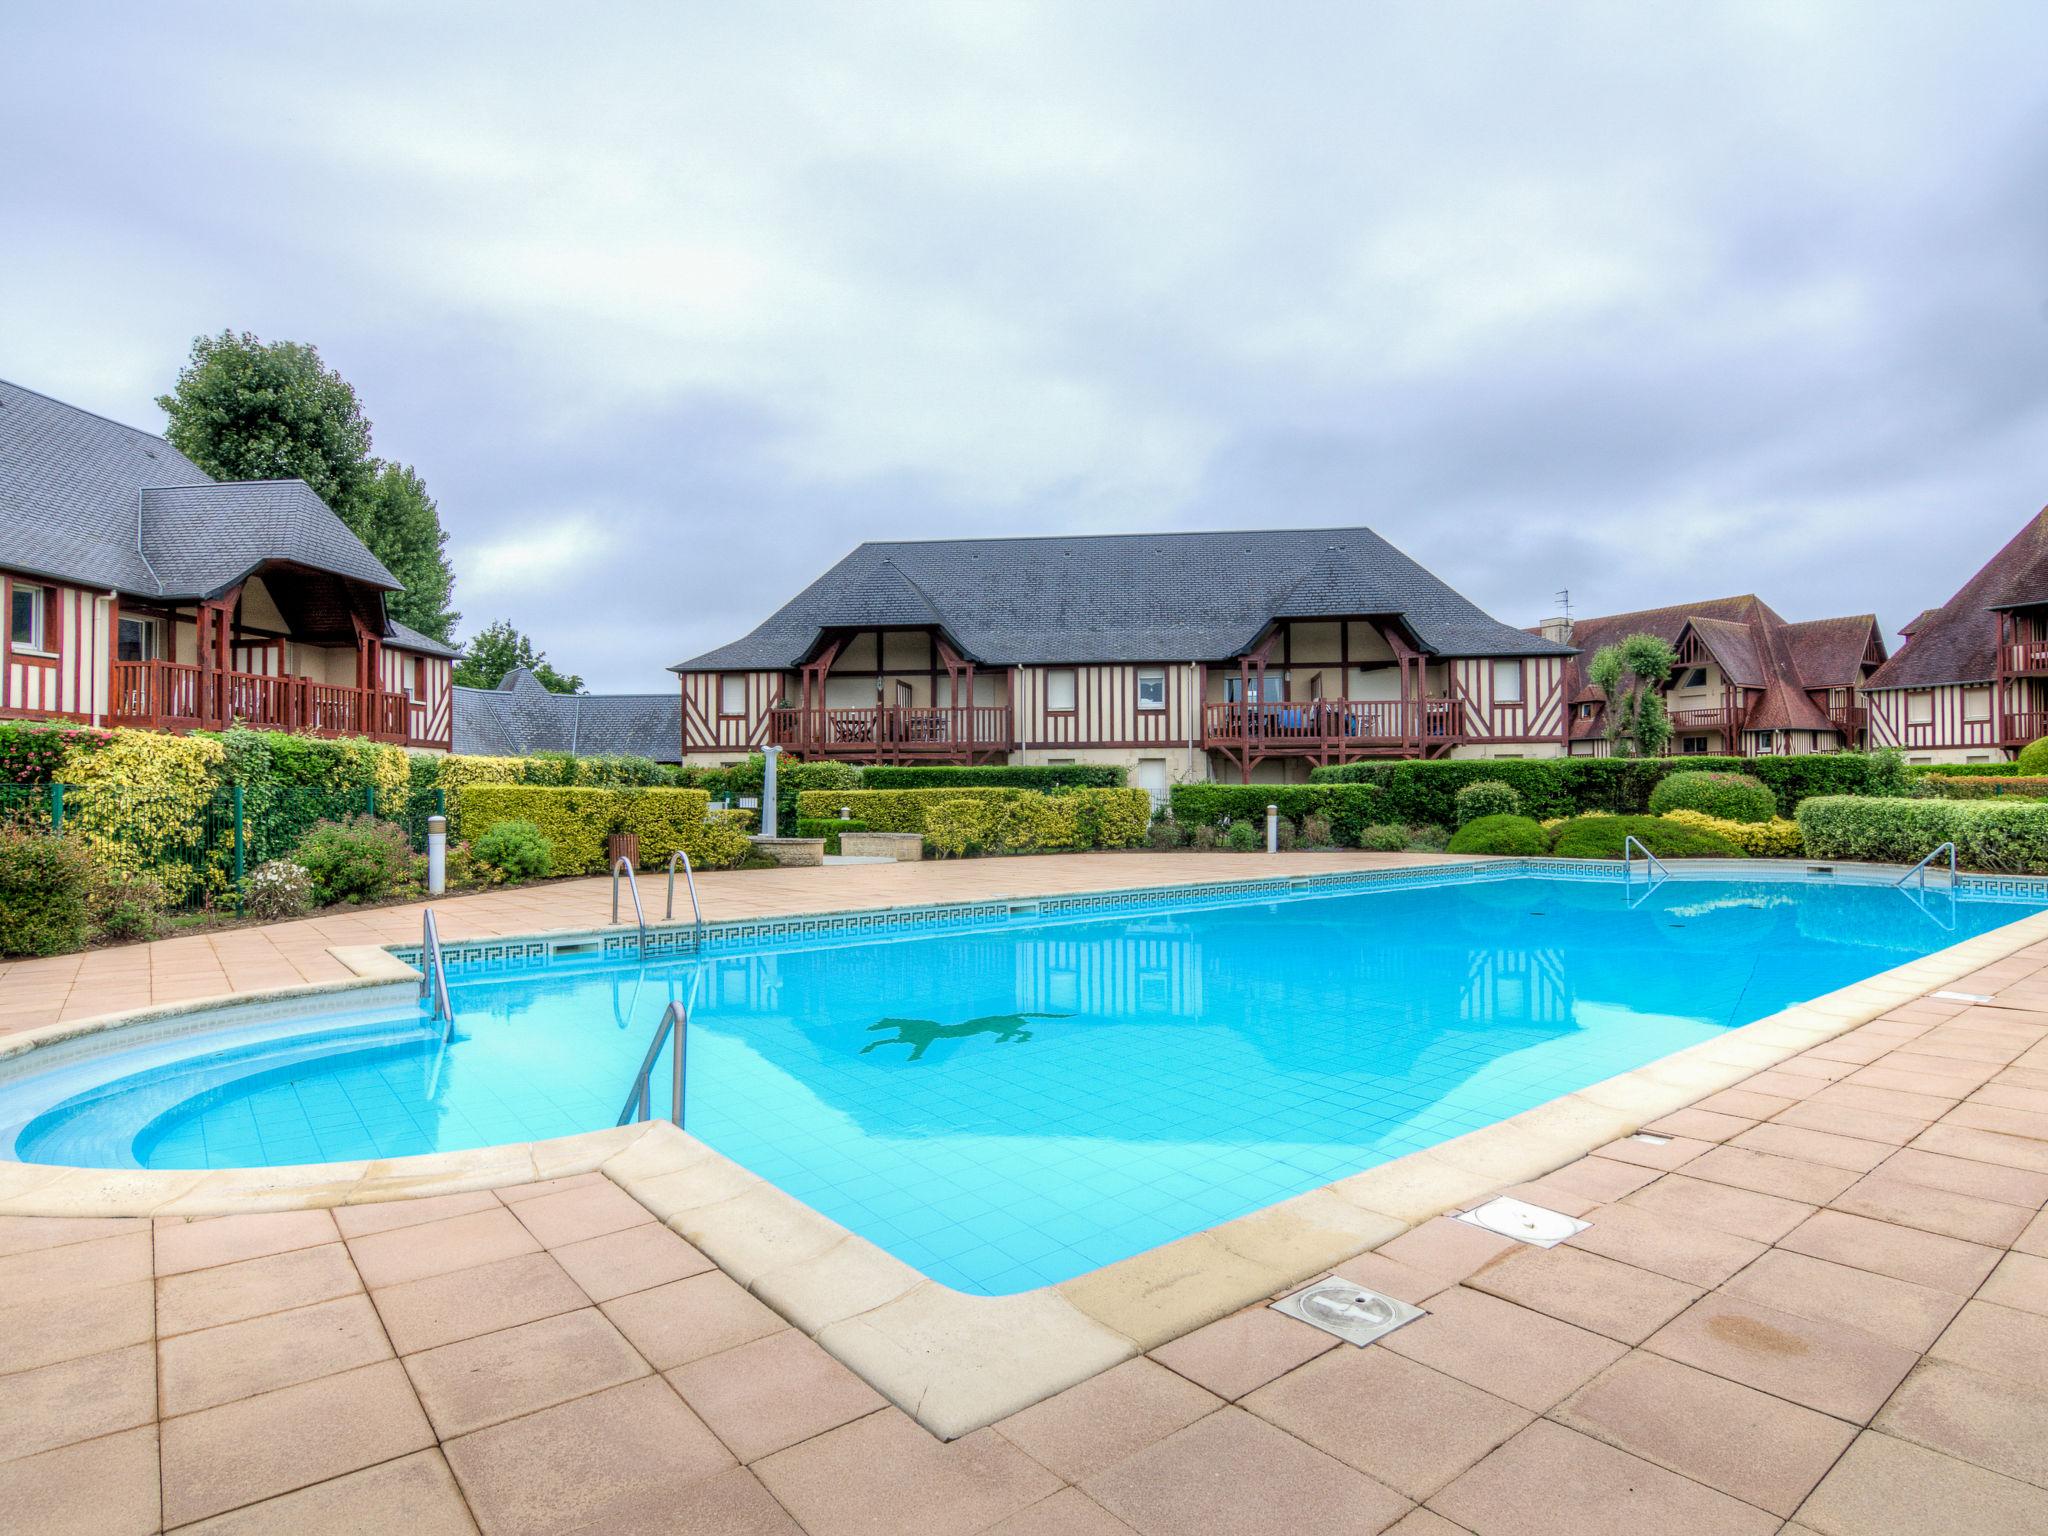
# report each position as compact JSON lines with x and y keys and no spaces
{"x":142,"y":794}
{"x":1777,"y":838}
{"x":576,"y":822}
{"x":1036,"y":823}
{"x":891,"y":810}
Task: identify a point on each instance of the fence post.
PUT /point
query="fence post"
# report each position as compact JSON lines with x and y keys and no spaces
{"x":370,"y":798}
{"x":56,"y":807}
{"x":241,"y":849}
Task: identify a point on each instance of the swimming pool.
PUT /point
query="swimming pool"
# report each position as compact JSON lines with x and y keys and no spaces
{"x":1006,"y":1103}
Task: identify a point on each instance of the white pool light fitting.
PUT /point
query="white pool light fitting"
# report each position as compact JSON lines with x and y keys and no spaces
{"x":1352,"y":1312}
{"x":1506,"y":1216}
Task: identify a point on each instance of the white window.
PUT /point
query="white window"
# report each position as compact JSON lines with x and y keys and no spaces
{"x":1060,"y":690}
{"x":1151,"y":688}
{"x":29,"y":617}
{"x":1976,"y":703}
{"x":1275,"y":688}
{"x":1920,"y":708}
{"x":1586,"y":711}
{"x":1507,"y":682}
{"x":732,"y":693}
{"x":138,"y":640}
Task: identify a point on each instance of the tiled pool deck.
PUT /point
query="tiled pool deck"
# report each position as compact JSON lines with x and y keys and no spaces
{"x":1821,"y":1307}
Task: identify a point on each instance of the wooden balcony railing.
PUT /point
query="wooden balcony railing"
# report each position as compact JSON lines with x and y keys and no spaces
{"x":177,"y":696}
{"x":891,"y":732}
{"x":1318,"y":724}
{"x":2023,"y":726}
{"x":1706,"y":719}
{"x":2027,"y":658}
{"x":1852,"y":720}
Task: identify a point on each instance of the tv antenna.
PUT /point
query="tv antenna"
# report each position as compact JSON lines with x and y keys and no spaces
{"x":1564,"y":602}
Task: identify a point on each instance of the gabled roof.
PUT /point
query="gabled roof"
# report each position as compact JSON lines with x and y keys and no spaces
{"x":405,"y":638}
{"x":88,"y":500}
{"x":520,"y":717}
{"x":1121,"y":597}
{"x":1958,"y":642}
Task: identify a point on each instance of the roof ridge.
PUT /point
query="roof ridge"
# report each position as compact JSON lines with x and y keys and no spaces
{"x":1158,"y":533}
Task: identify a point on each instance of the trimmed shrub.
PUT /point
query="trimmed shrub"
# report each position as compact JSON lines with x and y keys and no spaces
{"x":1383,"y":837}
{"x":127,"y":907}
{"x":357,"y":860}
{"x":1424,"y":838}
{"x":1166,"y":833}
{"x":1349,"y":808}
{"x":2003,"y":836}
{"x":512,"y":852}
{"x":1961,"y":770}
{"x":889,"y":810}
{"x":1111,"y":818}
{"x":576,"y":823}
{"x":45,"y":884}
{"x":1063,"y":776}
{"x":1485,"y":797}
{"x":828,"y":828}
{"x":278,"y":891}
{"x":1316,"y":832}
{"x":2032,"y":759}
{"x":1958,"y":787}
{"x":1725,"y":796}
{"x":1244,"y":837}
{"x":1504,"y":833}
{"x":1025,"y":822}
{"x":1603,"y":837}
{"x":1776,"y":838}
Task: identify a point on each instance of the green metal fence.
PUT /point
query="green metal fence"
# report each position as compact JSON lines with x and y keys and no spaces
{"x":201,"y":845}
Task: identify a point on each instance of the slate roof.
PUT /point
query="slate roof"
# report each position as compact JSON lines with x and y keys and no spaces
{"x":520,"y":717}
{"x":404,"y":637}
{"x":1958,"y":642}
{"x":1121,"y":597}
{"x":88,"y":500}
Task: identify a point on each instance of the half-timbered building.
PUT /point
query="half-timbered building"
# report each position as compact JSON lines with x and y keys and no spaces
{"x":1746,"y":684}
{"x":140,"y":591}
{"x":1250,"y":656}
{"x":1970,"y":682}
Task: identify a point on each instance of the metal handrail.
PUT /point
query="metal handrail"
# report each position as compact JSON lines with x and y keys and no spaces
{"x":675,"y":1022}
{"x":434,"y":968}
{"x":632,"y":884}
{"x":1629,"y":845}
{"x":1920,"y":869}
{"x":690,"y":878}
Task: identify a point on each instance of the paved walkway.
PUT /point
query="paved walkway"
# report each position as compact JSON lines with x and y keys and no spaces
{"x":1820,"y":1307}
{"x":255,"y":959}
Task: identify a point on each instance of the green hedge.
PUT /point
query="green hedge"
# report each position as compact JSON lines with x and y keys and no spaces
{"x":1571,"y":786}
{"x":1606,"y":837}
{"x":45,"y":886}
{"x":1728,"y":796}
{"x":888,"y":810}
{"x":1506,"y":833}
{"x":576,"y":822}
{"x":1957,"y":787}
{"x":1038,"y":823}
{"x":1064,"y":776}
{"x":2004,"y":836}
{"x":828,"y":828}
{"x":1349,"y":808}
{"x":1962,"y":770}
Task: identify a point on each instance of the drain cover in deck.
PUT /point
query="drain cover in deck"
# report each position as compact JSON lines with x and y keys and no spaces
{"x":1524,"y":1222}
{"x":1353,"y":1313}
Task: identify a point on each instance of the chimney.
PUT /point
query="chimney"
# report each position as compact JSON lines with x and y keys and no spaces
{"x":1558,"y":630}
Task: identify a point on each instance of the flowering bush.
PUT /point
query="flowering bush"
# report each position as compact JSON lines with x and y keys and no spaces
{"x":34,"y":753}
{"x":360,"y":859}
{"x":277,"y":891}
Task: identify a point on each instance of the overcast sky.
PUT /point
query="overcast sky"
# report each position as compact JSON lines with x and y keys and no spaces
{"x":673,"y":305}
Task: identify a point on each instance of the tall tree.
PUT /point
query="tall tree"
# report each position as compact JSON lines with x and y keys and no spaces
{"x":496,"y":649}
{"x":1630,"y":672}
{"x":248,"y":409}
{"x":403,"y":529}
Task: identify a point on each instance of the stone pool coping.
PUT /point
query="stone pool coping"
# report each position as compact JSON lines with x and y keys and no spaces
{"x":953,"y":1361}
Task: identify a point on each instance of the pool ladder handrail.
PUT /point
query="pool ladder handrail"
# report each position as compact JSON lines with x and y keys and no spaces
{"x":675,"y":1021}
{"x":690,"y":879}
{"x":434,"y":969}
{"x":632,"y":884}
{"x":1920,"y":869}
{"x":1632,"y":844}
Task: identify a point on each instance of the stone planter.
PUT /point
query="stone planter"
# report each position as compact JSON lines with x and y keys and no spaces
{"x":792,"y":852}
{"x":904,"y":847}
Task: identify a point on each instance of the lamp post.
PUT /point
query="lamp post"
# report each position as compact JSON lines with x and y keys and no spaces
{"x":769,"y":826}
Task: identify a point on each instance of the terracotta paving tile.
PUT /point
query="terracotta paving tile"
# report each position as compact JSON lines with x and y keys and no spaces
{"x":389,"y":1215}
{"x":25,"y":1234}
{"x":230,"y":1293}
{"x":1815,"y":1069}
{"x":1602,"y":1178}
{"x":1721,"y":1207}
{"x":883,"y":1474}
{"x":74,"y":1400}
{"x":518,"y":1194}
{"x":688,"y":1319}
{"x":1551,"y":1196}
{"x":1600,"y":1491}
{"x":1904,"y":1253}
{"x":1895,"y":1310}
{"x":1863,"y":1125}
{"x":575,"y":1214}
{"x":1242,"y":1352}
{"x":1598,"y":1294}
{"x":1070,"y":1512}
{"x":103,"y":1487}
{"x":635,"y":1259}
{"x":1747,"y":1102}
{"x":1450,"y":1249}
{"x":1978,"y":1115}
{"x":441,"y":1309}
{"x":2020,"y":1281}
{"x":1697,"y":1254}
{"x":1883,"y":1197}
{"x":762,"y":1397}
{"x":1702,"y":1124}
{"x":1965,"y":1176}
{"x":1887,"y":1487}
{"x":1377,"y":1272}
{"x":1897,"y":1102}
{"x":1787,"y":1085}
{"x":1748,"y":1444}
{"x":41,"y":1273}
{"x":217,"y":1365}
{"x":497,"y":1376}
{"x":1523,"y":1356}
{"x":198,"y":1244}
{"x":2034,"y":1239}
{"x":1398,"y":1422}
{"x":1998,"y":1340}
{"x":1852,"y":1047}
{"x":728,"y":1503}
{"x":618,"y":1460}
{"x":1769,"y":1174}
{"x":1424,"y":1522}
{"x":1080,"y":1431}
{"x":1989,"y":1421}
{"x":2007,"y":1096}
{"x":1234,"y":1472}
{"x":1675,"y":1153}
{"x":1822,"y":1365}
{"x":242,"y":1452}
{"x":75,"y":1323}
{"x":438,"y":1247}
{"x":414,"y":1495}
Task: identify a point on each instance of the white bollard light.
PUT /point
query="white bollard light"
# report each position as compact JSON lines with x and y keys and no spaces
{"x":437,"y":855}
{"x":770,"y":756}
{"x":1272,"y":829}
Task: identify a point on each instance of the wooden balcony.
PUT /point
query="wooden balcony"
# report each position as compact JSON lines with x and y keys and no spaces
{"x":1717,"y":719}
{"x":896,"y":733}
{"x":1852,"y":720}
{"x":1331,"y":730}
{"x":177,"y":696}
{"x":2026,"y":658}
{"x":2022,"y":726}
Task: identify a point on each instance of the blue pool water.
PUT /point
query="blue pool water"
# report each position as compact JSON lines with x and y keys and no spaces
{"x":1009,"y":1107}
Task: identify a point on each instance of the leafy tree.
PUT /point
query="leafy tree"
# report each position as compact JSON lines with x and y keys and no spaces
{"x":400,"y":524}
{"x":497,"y":649}
{"x":1630,"y":672}
{"x":248,"y":409}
